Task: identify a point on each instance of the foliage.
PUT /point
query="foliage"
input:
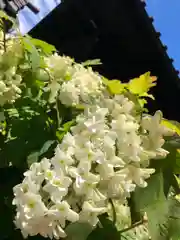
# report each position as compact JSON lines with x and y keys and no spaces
{"x":53,"y":111}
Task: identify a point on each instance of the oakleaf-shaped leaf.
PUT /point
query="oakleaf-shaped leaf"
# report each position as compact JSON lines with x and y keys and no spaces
{"x":152,"y":201}
{"x":173,"y":220}
{"x":141,"y":85}
{"x":116,"y":87}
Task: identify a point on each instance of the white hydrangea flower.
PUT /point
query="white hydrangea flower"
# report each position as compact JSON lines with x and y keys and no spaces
{"x":69,"y":94}
{"x":9,"y":86}
{"x":39,"y":171}
{"x":90,"y":213}
{"x":154,"y":141}
{"x":39,"y":210}
{"x":57,"y":187}
{"x":58,"y":66}
{"x":21,"y":189}
{"x":63,"y":212}
{"x":59,"y":69}
{"x":105,"y":155}
{"x":10,"y":78}
{"x":61,"y":160}
{"x":72,"y":83}
{"x":84,"y":87}
{"x":137,"y":174}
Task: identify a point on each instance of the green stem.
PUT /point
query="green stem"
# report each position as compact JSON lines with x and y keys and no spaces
{"x":58,"y":116}
{"x":132,"y":226}
{"x":113,"y":211}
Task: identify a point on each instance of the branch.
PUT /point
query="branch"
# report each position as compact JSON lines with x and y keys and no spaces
{"x":132,"y":226}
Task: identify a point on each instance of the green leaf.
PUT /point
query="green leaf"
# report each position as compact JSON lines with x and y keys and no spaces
{"x":60,"y":134}
{"x":46,"y":146}
{"x":32,"y":158}
{"x":142,"y":102}
{"x":12,"y":112}
{"x":46,"y":47}
{"x":105,"y":80}
{"x":64,"y":129}
{"x":28,"y":130}
{"x":141,"y":85}
{"x":116,"y":87}
{"x":176,"y":123}
{"x":147,"y":96}
{"x":176,"y":167}
{"x":80,"y":107}
{"x":171,"y":125}
{"x":169,"y":165}
{"x":78,"y":231}
{"x":144,"y":197}
{"x":34,"y":55}
{"x":173,"y":220}
{"x":177,"y":179}
{"x":106,"y":231}
{"x":173,"y":143}
{"x":153,"y":201}
{"x":92,"y":62}
{"x":68,"y":125}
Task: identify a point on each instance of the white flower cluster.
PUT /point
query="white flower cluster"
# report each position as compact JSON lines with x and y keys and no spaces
{"x":84,"y":87}
{"x":9,"y":85}
{"x":10,"y":80}
{"x":104,"y":156}
{"x":72,"y":83}
{"x":59,"y":68}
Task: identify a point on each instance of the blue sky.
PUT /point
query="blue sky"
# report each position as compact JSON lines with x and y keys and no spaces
{"x":27,"y":19}
{"x":166,"y":14}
